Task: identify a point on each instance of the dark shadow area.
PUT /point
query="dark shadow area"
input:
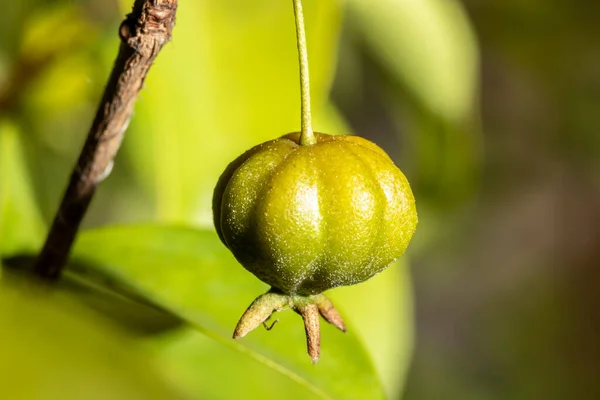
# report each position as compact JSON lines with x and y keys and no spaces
{"x":103,"y":294}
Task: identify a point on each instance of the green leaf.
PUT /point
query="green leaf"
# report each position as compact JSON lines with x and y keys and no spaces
{"x":426,"y":44}
{"x":381,"y":310}
{"x":21,"y":225}
{"x":428,"y":51}
{"x":52,"y":349}
{"x":383,"y":323}
{"x":191,"y":274}
{"x":228,"y":81}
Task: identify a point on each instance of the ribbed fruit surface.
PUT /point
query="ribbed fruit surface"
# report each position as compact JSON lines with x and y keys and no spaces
{"x":305,"y":219}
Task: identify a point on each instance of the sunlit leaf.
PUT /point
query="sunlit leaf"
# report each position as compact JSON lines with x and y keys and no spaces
{"x":381,"y":310}
{"x":212,"y":369}
{"x":228,"y":81}
{"x":21,"y":226}
{"x":191,"y":274}
{"x":52,"y":349}
{"x":428,"y":45}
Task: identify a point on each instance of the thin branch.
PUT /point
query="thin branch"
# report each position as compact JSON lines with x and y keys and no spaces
{"x":143,"y":34}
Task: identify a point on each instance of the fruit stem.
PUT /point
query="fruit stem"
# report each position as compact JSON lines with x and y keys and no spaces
{"x":307,"y":137}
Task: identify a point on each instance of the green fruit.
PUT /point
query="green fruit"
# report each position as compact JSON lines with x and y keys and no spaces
{"x":305,"y":219}
{"x":308,"y":218}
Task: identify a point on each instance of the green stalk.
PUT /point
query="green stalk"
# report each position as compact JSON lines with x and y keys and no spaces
{"x":307,"y":136}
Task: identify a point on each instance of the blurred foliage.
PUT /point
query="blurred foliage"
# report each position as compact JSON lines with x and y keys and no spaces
{"x":21,"y":225}
{"x":432,"y":51}
{"x":427,"y":54}
{"x":507,"y":302}
{"x":228,"y":81}
{"x":52,"y":349}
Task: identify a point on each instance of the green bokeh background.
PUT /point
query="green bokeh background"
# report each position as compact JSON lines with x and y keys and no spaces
{"x":489,"y":109}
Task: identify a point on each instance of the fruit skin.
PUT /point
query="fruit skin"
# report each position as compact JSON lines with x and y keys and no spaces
{"x":305,"y":219}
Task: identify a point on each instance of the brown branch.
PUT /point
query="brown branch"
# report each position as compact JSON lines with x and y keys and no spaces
{"x":143,"y":33}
